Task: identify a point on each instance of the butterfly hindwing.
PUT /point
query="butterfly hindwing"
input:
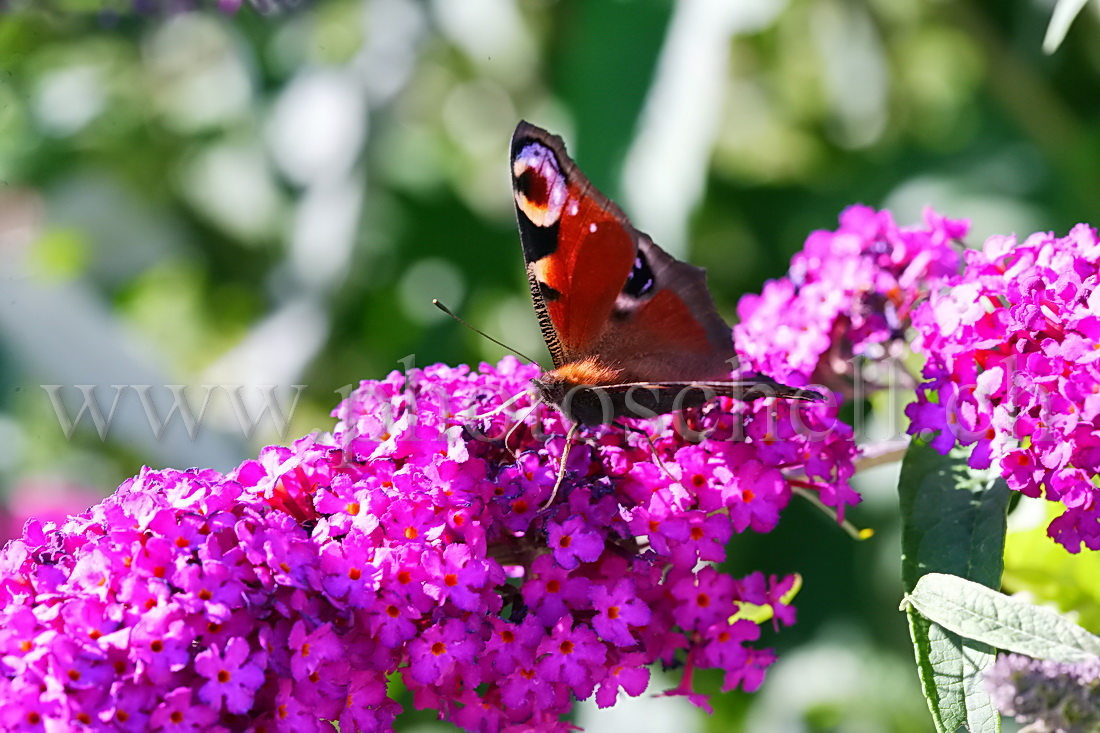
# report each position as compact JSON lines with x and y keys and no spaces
{"x":674,"y":324}
{"x":604,"y":293}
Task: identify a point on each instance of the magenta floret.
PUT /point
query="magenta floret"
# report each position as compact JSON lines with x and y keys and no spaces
{"x":290,"y":591}
{"x":1013,"y":369}
{"x":846,"y":290}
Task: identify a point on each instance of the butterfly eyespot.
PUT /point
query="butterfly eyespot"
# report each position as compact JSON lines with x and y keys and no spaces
{"x":539,"y":185}
{"x":534,"y":188}
{"x":640,"y":281}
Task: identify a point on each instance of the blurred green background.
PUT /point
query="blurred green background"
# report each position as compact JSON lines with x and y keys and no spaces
{"x":273,"y":196}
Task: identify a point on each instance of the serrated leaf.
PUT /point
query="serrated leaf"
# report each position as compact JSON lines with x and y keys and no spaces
{"x":953,"y":521}
{"x":977,"y":612}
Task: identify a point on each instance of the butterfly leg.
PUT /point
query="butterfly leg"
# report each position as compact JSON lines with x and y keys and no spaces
{"x":652,"y":445}
{"x":511,"y":430}
{"x":561,"y":466}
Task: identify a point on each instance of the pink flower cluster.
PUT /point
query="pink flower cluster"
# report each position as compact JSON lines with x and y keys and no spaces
{"x":847,"y":289}
{"x":1013,"y":369}
{"x":411,"y":541}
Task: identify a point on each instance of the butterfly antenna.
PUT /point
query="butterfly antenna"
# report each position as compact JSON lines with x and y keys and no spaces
{"x":447,"y":310}
{"x":561,"y":466}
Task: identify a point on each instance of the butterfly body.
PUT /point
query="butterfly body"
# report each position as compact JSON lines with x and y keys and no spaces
{"x":588,"y":404}
{"x":632,"y":331}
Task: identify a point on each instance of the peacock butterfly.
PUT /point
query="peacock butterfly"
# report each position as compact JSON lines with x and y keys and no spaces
{"x":633,"y":332}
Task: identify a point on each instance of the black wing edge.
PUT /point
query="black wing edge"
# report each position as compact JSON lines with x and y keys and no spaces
{"x":747,"y":390}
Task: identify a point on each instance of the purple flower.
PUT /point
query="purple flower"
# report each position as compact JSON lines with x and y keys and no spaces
{"x":573,"y":542}
{"x":848,"y":290}
{"x":513,"y":645}
{"x":367,"y":706}
{"x":659,"y":522}
{"x":726,"y":644}
{"x":750,"y":675}
{"x":617,"y":609}
{"x":441,"y":650}
{"x":161,"y":642}
{"x":132,"y":706}
{"x":392,"y":620}
{"x":551,"y":591}
{"x":1012,"y":369}
{"x":411,"y":542}
{"x":706,"y":539}
{"x":232,"y":677}
{"x":527,"y":692}
{"x":1054,"y":696}
{"x":178,"y":712}
{"x":310,"y":649}
{"x":347,"y":574}
{"x":627,"y":675}
{"x":704,"y":598}
{"x":457,"y":577}
{"x":573,"y":656}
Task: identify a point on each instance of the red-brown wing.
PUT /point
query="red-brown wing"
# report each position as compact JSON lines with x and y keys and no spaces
{"x":603,"y":291}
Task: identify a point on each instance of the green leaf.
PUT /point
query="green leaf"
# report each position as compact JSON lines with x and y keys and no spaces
{"x":953,"y":517}
{"x":977,"y":612}
{"x":953,"y":521}
{"x":950,"y":669}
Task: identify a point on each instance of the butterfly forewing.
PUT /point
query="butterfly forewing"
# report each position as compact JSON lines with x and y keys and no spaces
{"x":578,"y":259}
{"x":605,"y":294}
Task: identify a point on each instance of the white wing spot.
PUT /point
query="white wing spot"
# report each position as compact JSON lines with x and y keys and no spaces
{"x":573,"y":208}
{"x":592,"y":228}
